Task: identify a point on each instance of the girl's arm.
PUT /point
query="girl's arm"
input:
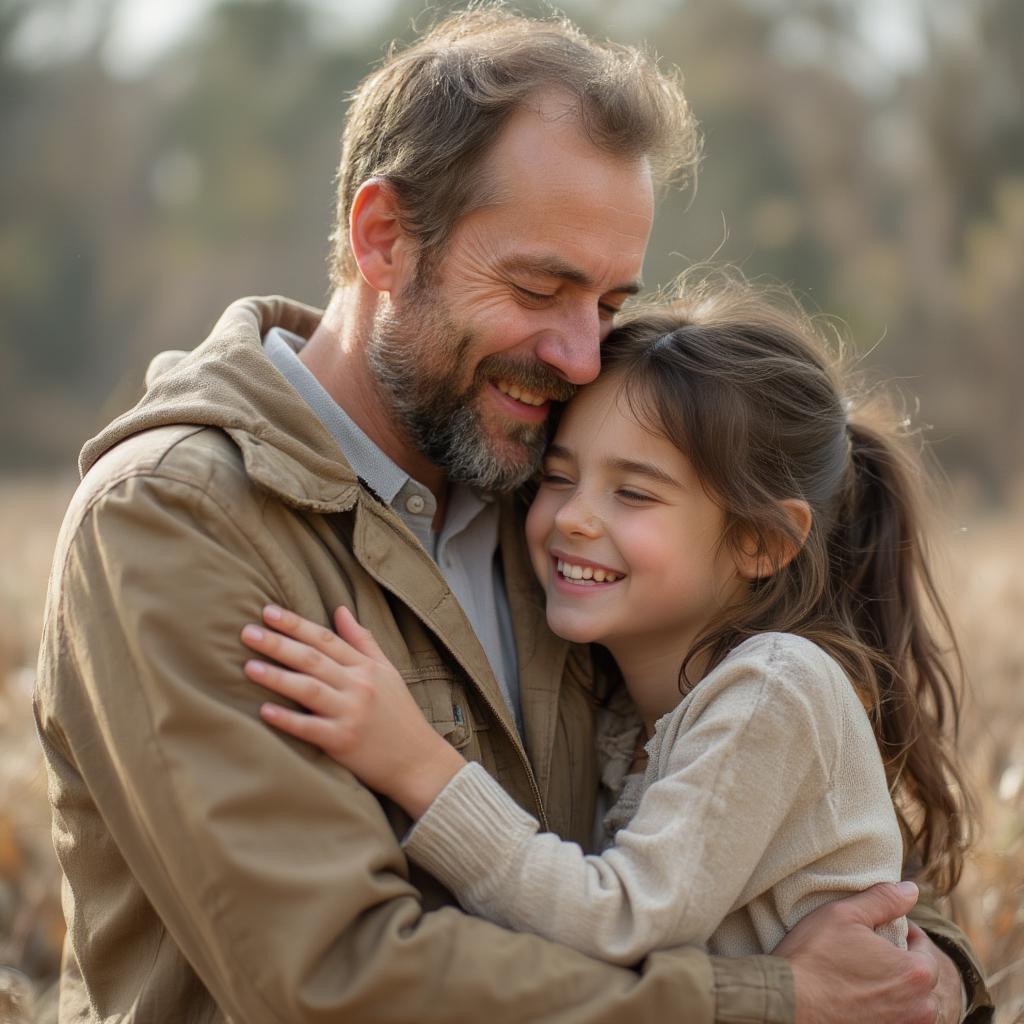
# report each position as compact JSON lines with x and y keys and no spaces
{"x":723,"y":824}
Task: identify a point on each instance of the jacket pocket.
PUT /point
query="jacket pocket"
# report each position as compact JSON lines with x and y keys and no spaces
{"x":442,"y":699}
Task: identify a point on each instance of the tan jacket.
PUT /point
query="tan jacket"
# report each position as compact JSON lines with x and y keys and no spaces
{"x":216,"y":870}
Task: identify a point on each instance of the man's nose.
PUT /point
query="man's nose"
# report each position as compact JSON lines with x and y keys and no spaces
{"x":573,"y":348}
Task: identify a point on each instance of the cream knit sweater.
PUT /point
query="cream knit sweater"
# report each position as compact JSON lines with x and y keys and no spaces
{"x":764,"y":797}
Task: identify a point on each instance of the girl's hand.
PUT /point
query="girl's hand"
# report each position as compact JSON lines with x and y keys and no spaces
{"x":360,"y":710}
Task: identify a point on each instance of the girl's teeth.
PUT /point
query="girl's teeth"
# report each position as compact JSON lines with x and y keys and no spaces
{"x":580,"y":572}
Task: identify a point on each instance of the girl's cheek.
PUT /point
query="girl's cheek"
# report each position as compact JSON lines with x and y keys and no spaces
{"x":538,"y":529}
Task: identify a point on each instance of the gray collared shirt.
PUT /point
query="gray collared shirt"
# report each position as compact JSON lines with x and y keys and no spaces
{"x":465,"y":548}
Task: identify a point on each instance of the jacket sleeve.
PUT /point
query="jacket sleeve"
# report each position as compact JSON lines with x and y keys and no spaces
{"x":273,"y":870}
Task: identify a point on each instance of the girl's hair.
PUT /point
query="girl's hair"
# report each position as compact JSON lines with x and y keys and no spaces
{"x":746,"y":390}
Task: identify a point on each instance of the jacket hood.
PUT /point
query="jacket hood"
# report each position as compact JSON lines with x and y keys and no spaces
{"x":229,"y":383}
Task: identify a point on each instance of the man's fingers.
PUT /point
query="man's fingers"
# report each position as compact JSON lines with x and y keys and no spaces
{"x":948,"y":991}
{"x":882,"y":903}
{"x":357,"y":636}
{"x":916,"y":938}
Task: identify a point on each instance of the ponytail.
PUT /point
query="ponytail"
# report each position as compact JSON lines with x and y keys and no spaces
{"x":886,"y":596}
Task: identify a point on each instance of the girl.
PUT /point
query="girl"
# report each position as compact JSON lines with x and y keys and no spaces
{"x":747,"y":549}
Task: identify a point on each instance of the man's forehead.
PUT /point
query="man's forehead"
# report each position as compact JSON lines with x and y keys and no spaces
{"x":544,"y":144}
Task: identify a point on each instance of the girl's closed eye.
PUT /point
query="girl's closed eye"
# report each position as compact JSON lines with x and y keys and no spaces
{"x":552,"y":478}
{"x":635,"y":497}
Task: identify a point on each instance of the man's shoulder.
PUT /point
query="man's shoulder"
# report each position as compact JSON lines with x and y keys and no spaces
{"x":187,"y":460}
{"x":187,"y":453}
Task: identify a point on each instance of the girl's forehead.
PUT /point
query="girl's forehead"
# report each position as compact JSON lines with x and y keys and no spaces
{"x":607,"y":403}
{"x":595,"y":406}
{"x":607,"y":418}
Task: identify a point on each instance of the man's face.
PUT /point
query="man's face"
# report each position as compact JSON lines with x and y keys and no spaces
{"x":472,"y":352}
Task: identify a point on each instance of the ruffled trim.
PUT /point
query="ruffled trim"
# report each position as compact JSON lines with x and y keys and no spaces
{"x":616,"y":730}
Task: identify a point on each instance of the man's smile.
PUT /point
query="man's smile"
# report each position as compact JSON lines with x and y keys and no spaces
{"x":519,"y":394}
{"x":521,"y":405}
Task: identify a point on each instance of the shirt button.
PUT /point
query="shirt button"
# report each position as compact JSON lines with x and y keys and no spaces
{"x":414,"y":504}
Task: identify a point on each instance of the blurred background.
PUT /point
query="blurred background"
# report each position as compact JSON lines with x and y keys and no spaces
{"x":161,"y":159}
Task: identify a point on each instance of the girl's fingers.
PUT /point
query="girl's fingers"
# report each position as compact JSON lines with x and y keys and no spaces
{"x":305,"y":690}
{"x":318,"y":637}
{"x":310,"y":728}
{"x":296,"y":655}
{"x":358,"y":637}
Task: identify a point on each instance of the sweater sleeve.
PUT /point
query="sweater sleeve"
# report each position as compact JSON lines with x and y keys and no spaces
{"x":753,"y":746}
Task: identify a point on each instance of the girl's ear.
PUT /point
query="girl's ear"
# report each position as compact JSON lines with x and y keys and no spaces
{"x":379,"y":244}
{"x":758,"y":559}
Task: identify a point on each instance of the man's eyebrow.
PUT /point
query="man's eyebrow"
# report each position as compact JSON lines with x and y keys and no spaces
{"x":555,"y":266}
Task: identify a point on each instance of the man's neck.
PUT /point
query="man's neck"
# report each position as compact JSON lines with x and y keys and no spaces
{"x":336,"y":355}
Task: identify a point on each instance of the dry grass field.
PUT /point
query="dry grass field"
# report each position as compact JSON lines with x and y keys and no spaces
{"x":986,"y":588}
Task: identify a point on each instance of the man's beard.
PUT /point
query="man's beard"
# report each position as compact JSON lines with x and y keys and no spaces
{"x":418,"y":356}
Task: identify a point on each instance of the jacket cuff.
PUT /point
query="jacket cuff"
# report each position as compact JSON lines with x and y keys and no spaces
{"x":753,"y":990}
{"x":469,"y":833}
{"x":979,"y":1008}
{"x":954,"y":944}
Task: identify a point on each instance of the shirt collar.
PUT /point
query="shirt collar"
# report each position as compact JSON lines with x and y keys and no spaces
{"x":368,"y":462}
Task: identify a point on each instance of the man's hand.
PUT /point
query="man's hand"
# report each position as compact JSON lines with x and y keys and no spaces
{"x":949,"y":991}
{"x":844,"y":972}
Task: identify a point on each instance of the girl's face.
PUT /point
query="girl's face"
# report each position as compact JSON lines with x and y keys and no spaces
{"x":623,"y":537}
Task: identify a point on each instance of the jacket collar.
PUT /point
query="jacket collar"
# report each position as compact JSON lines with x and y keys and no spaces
{"x":229,"y":383}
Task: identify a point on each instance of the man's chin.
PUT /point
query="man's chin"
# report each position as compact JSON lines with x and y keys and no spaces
{"x":504,"y":465}
{"x":520,"y":456}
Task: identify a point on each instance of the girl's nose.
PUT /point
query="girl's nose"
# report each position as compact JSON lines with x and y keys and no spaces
{"x":578,"y":517}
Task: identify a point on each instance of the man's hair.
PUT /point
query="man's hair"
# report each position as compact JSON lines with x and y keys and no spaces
{"x":426,"y":118}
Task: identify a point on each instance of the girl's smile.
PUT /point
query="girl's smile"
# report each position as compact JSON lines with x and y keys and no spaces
{"x":574,"y":571}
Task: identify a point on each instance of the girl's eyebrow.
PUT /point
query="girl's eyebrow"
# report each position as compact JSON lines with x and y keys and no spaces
{"x":648,"y":469}
{"x":558,"y":451}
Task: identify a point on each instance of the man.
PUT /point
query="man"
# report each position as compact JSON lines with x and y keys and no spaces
{"x":495,"y":199}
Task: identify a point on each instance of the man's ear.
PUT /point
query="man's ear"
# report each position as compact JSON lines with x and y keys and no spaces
{"x":380,"y":246}
{"x":756,"y":560}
